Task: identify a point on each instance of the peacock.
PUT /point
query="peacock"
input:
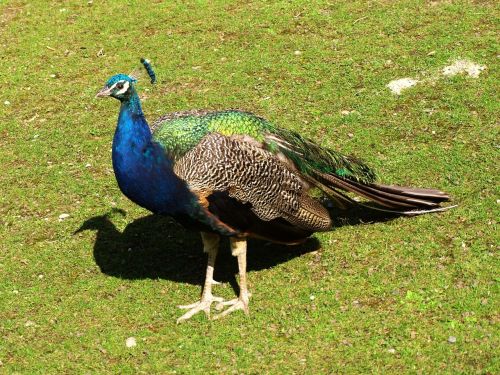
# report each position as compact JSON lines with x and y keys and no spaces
{"x":233,"y":174}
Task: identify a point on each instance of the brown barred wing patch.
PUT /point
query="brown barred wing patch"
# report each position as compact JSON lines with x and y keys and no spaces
{"x":251,"y":175}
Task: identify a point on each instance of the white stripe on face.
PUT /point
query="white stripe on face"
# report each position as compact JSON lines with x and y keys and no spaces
{"x":126,"y":85}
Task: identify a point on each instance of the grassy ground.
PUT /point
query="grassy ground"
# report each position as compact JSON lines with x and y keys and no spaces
{"x":379,"y":297}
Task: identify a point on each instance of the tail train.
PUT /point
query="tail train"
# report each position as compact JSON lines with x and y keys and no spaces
{"x":396,"y":199}
{"x":335,"y":174}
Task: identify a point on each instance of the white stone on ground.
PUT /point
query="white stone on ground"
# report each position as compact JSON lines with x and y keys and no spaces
{"x":463,"y":66}
{"x":130,"y":342}
{"x":63,"y":216}
{"x":458,"y":67}
{"x":398,"y":85}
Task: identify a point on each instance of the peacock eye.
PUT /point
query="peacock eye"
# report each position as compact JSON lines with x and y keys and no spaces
{"x":119,"y":85}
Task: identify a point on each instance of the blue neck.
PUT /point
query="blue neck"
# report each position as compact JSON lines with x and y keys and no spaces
{"x":143,"y":171}
{"x":133,"y":105}
{"x":133,"y":130}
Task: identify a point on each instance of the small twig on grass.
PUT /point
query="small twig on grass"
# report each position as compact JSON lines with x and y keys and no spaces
{"x":359,"y":19}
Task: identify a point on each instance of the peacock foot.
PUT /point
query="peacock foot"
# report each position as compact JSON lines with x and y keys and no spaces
{"x":202,"y":305}
{"x":240,"y":303}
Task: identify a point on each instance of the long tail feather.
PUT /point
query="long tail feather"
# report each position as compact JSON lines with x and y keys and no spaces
{"x":341,"y":200}
{"x":410,"y":212}
{"x":396,"y":199}
{"x":436,"y":195}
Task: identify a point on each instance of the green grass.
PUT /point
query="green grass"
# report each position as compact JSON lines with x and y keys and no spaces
{"x":387,"y":295}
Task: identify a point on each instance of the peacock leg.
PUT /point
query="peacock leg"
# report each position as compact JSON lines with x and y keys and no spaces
{"x":238,"y":249}
{"x":211,"y":247}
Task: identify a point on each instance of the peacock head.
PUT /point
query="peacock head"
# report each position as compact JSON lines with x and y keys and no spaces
{"x":120,"y":86}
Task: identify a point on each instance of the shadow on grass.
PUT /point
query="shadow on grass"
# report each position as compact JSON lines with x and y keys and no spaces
{"x":157,"y":247}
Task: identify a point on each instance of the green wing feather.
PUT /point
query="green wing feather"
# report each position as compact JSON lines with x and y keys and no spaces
{"x":311,"y":158}
{"x":181,"y":131}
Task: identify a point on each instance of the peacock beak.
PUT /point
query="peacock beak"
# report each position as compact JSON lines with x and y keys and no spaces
{"x":105,"y":91}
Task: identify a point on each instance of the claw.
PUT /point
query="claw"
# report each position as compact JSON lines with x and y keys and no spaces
{"x":202,"y":305}
{"x":240,"y":303}
{"x":188,"y":306}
